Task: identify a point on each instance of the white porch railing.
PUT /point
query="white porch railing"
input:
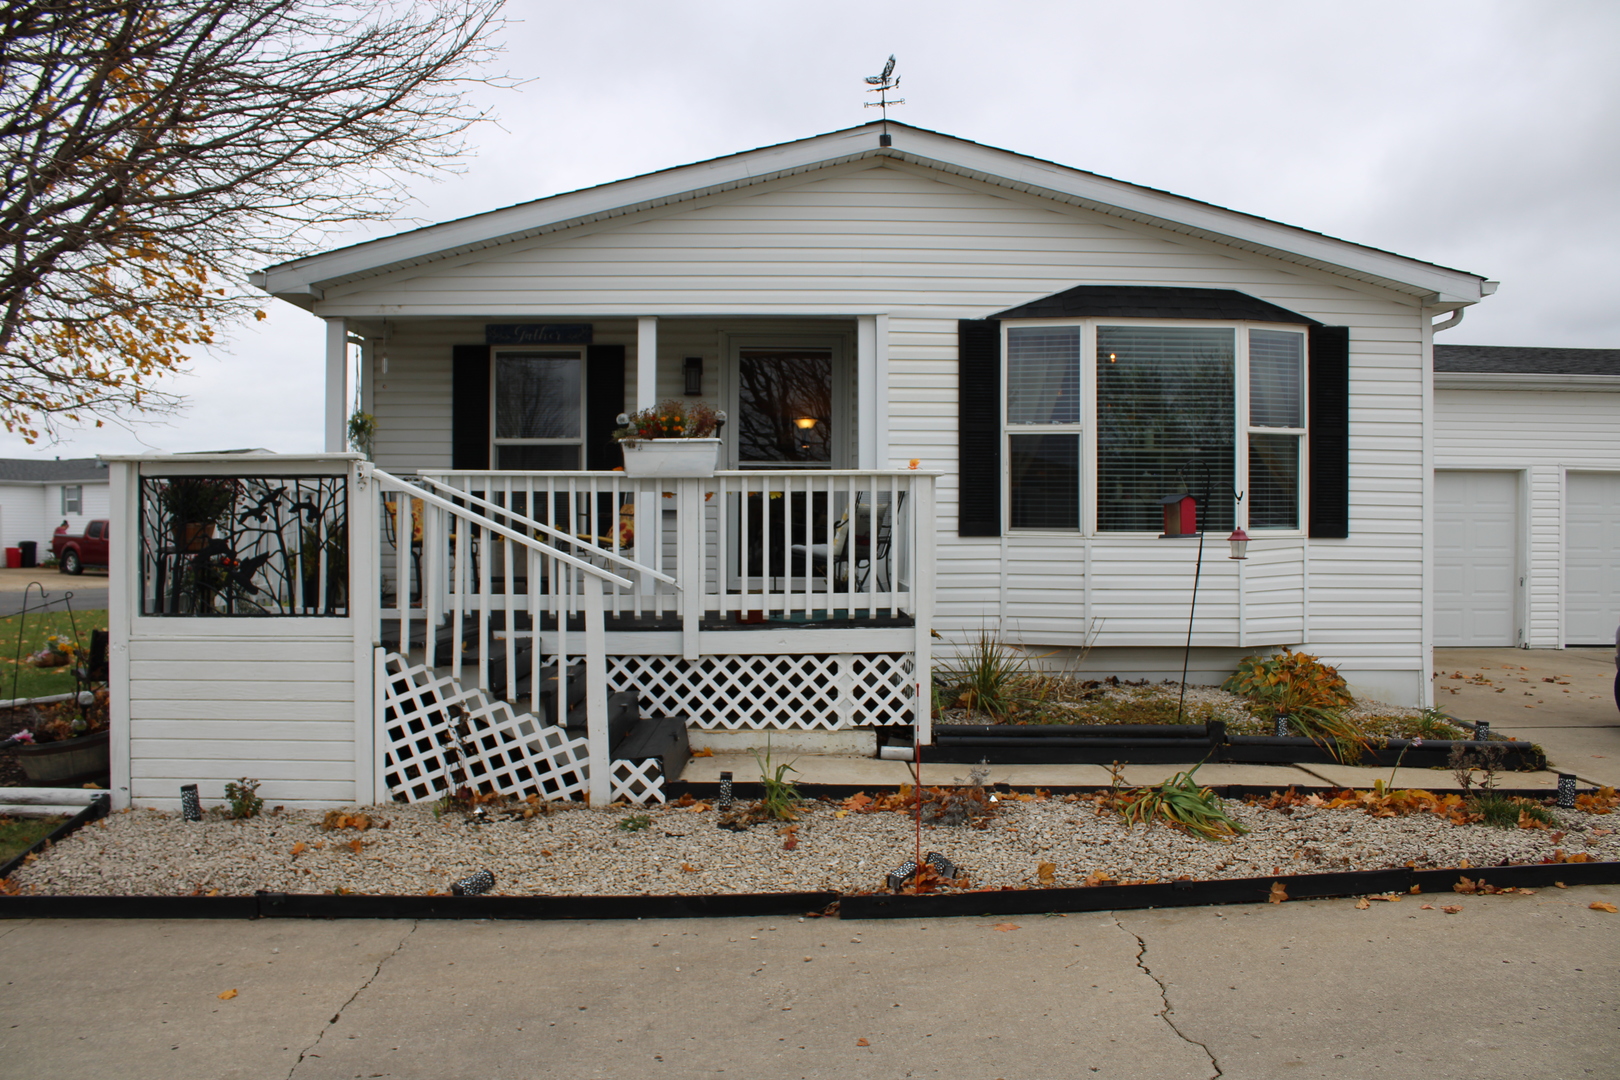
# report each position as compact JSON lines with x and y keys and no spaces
{"x":442,"y":517}
{"x":837,"y":565}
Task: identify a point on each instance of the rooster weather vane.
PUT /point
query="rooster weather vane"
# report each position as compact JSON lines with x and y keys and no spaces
{"x":881,"y":85}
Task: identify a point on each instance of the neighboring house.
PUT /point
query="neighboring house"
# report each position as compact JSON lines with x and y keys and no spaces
{"x":958,"y":299}
{"x":37,"y":496}
{"x":1527,"y":496}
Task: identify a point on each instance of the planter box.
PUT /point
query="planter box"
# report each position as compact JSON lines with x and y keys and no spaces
{"x":670,"y":457}
{"x":68,"y":761}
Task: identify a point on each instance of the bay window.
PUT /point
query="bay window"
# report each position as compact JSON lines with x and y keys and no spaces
{"x":1102,"y":419}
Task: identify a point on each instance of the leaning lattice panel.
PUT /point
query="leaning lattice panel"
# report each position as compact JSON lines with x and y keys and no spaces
{"x":638,"y":781}
{"x":439,"y":737}
{"x":828,"y":691}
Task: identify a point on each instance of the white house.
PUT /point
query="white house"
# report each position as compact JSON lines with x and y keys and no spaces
{"x":995,"y":367}
{"x":36,"y":496}
{"x":1527,"y":496}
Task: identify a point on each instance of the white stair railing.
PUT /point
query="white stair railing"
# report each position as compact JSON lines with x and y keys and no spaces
{"x":454,"y":521}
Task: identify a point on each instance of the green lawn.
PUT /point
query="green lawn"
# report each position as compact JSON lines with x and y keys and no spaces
{"x":17,"y":835}
{"x":32,"y":682}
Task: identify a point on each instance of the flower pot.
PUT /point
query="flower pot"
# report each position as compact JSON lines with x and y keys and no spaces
{"x":67,"y":761}
{"x":670,"y":457}
{"x":193,"y":535}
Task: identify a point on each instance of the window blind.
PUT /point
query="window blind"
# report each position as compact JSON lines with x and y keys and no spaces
{"x":1276,"y":370}
{"x":1164,"y":415}
{"x":1043,"y":375}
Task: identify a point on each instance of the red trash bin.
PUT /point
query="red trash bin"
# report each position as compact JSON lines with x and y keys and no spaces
{"x":13,"y":558}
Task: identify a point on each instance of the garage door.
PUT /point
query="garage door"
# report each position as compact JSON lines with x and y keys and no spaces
{"x":1591,"y":558}
{"x":1476,"y":556}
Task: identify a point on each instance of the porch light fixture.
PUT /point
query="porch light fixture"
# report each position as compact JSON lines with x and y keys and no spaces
{"x":805,"y":423}
{"x":1240,"y":544}
{"x":692,"y":368}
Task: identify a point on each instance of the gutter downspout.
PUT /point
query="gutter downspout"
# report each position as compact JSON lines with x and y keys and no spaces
{"x":1456,"y":317}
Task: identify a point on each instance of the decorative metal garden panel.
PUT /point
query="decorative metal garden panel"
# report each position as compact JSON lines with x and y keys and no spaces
{"x":244,"y":546}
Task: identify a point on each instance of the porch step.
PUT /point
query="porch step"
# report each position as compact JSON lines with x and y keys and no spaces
{"x":661,"y":737}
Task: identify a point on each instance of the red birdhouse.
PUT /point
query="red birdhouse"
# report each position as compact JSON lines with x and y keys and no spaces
{"x":1180,"y":515}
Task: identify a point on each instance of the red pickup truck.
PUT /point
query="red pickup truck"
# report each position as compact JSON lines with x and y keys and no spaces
{"x":74,"y":553}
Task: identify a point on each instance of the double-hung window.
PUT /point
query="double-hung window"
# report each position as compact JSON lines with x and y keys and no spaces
{"x":1103,"y":419}
{"x":537,"y":405}
{"x":72,"y":498}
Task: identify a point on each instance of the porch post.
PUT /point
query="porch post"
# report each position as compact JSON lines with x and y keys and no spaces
{"x":337,"y":356}
{"x":867,"y":392}
{"x":646,"y":362}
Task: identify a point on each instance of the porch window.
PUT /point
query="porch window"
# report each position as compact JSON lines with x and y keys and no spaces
{"x":785,"y":406}
{"x":538,"y":409}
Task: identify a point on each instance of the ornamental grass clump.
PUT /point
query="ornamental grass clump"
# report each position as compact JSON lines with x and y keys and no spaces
{"x":987,"y":675}
{"x":1309,"y":694}
{"x":1180,"y":803}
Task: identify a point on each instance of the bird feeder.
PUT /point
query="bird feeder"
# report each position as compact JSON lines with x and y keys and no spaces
{"x":1180,"y":516}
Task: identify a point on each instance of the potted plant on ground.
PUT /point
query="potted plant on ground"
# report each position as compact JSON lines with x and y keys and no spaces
{"x":68,"y":743}
{"x":673,"y":438}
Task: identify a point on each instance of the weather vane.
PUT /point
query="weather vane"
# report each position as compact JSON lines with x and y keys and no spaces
{"x":881,"y":85}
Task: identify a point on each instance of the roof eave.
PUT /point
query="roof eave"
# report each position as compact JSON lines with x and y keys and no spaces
{"x":303,"y":281}
{"x":1525,"y":380}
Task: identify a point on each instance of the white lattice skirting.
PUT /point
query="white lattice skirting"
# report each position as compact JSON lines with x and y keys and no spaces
{"x":732,"y":693}
{"x":438,"y":737}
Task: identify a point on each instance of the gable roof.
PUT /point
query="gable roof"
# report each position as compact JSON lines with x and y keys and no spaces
{"x":1517,"y":360}
{"x":1153,"y":302}
{"x":34,"y":471}
{"x":304,"y":281}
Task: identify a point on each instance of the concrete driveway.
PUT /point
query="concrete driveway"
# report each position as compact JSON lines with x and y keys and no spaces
{"x":1560,"y":698}
{"x":1510,"y":986}
{"x":89,"y":589}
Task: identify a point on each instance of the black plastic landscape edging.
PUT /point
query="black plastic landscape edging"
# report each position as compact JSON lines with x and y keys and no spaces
{"x":98,"y":807}
{"x":268,"y":905}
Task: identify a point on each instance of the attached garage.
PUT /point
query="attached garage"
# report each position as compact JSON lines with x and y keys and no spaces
{"x":1476,"y":558}
{"x":1591,"y":557}
{"x":1527,"y":496}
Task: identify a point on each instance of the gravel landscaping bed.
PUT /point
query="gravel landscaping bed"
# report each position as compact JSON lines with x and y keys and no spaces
{"x":579,"y":851}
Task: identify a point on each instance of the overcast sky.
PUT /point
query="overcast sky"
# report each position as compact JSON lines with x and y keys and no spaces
{"x":1478,"y":136}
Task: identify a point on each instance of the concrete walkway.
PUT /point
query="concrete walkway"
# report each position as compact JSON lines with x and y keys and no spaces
{"x":1511,"y":986}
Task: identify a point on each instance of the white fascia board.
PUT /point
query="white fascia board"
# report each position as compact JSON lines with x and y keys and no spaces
{"x":301,"y":281}
{"x":1517,"y":380}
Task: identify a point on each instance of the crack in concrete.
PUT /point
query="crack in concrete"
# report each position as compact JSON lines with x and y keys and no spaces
{"x":14,"y":927}
{"x":1164,"y":996}
{"x":306,"y":1051}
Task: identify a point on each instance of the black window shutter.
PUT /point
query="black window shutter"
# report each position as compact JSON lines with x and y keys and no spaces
{"x":469,"y":407}
{"x":978,"y":389}
{"x":1329,"y":515}
{"x":604,"y":401}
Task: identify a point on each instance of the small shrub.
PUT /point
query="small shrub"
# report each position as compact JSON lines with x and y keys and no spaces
{"x":1289,"y":681}
{"x":635,"y":822}
{"x":243,"y":797}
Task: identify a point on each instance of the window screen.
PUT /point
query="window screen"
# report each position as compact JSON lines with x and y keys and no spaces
{"x":1164,"y":415}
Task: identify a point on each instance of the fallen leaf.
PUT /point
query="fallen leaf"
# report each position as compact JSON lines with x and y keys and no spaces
{"x":1279,"y":893}
{"x":1047,"y":872}
{"x":1465,"y":885}
{"x":1415,"y":890}
{"x":1390,"y":898}
{"x":355,"y":846}
{"x":689,"y":868}
{"x":1599,"y":905}
{"x":1559,"y":885}
{"x":1426,"y":907}
{"x":1362,"y":904}
{"x":1006,"y":926}
{"x":298,"y":849}
{"x":707,"y":751}
{"x":227,"y":995}
{"x":1451,"y":909}
{"x":862,"y":1042}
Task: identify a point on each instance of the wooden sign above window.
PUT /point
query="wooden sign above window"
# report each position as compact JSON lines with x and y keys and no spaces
{"x":537,"y":333}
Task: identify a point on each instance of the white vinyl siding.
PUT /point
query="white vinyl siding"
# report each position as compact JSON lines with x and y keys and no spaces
{"x":1546,"y":435}
{"x":927,"y":249}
